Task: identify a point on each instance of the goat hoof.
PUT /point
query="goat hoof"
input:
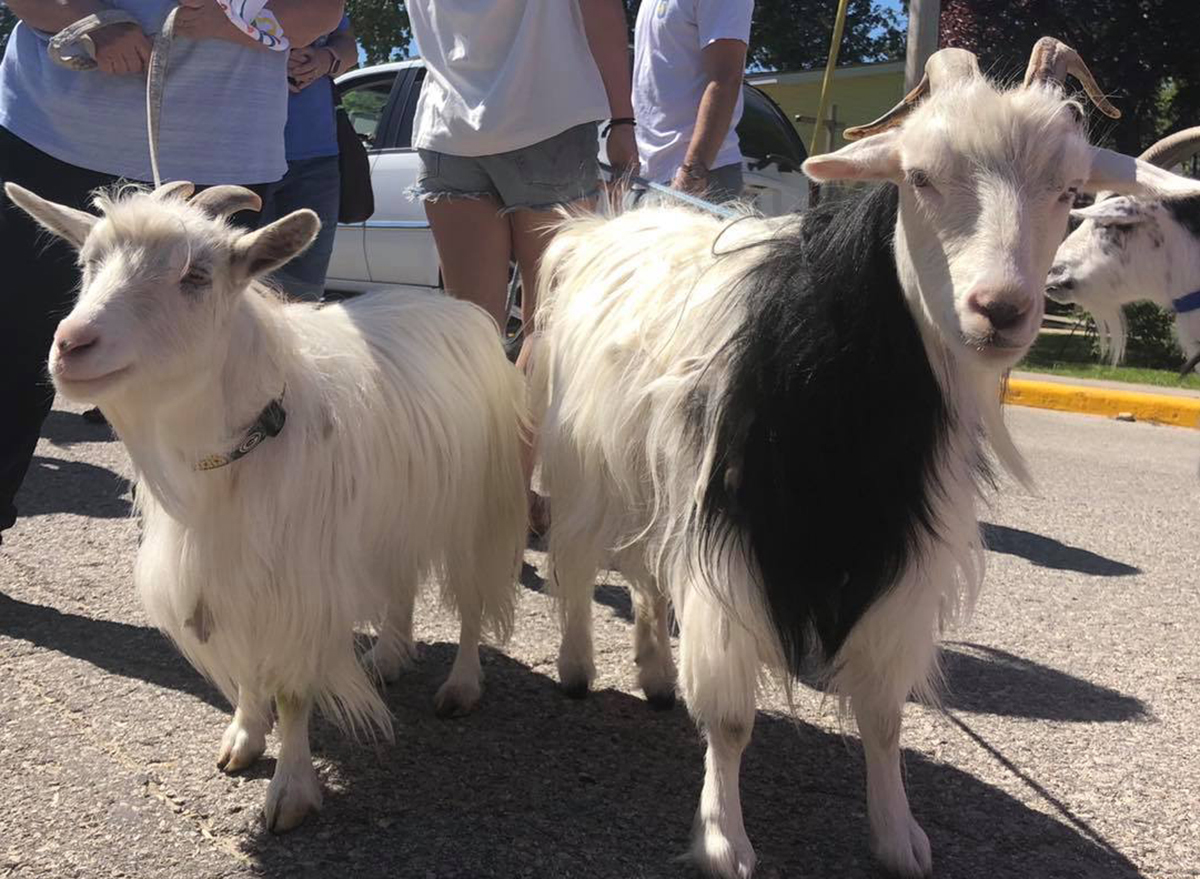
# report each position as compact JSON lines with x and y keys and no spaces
{"x":905,"y":853}
{"x":291,"y":797}
{"x":240,"y":747}
{"x":456,"y":698}
{"x":576,"y":689}
{"x":390,"y":661}
{"x":722,"y":852}
{"x":661,"y":701}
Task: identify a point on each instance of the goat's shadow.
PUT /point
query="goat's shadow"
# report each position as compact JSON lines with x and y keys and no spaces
{"x":1046,"y":552}
{"x":119,"y":648}
{"x":54,"y":485}
{"x":978,"y":679}
{"x":535,"y":785}
{"x":63,"y":428}
{"x":985,"y":680}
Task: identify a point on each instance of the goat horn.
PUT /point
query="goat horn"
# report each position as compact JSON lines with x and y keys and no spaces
{"x":1051,"y":61}
{"x":224,"y":201}
{"x":945,"y":65}
{"x":1174,"y":148}
{"x":175,"y":189}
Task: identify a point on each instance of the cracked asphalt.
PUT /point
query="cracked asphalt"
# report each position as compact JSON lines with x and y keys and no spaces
{"x":1066,"y":745}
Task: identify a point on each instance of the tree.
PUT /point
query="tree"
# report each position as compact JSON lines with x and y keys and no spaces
{"x":795,"y":34}
{"x":1142,"y":53}
{"x":7,"y":22}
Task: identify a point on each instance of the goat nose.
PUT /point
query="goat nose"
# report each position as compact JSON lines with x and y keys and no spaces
{"x":74,"y":338}
{"x":1004,"y":309}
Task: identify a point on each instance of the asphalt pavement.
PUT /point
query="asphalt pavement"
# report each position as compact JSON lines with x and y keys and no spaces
{"x":1066,"y":746}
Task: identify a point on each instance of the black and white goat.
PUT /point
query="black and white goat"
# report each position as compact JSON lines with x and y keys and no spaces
{"x":782,"y":430}
{"x":299,"y":470}
{"x":1130,"y":248}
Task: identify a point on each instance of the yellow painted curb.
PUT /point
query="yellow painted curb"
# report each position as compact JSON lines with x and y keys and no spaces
{"x":1159,"y":408}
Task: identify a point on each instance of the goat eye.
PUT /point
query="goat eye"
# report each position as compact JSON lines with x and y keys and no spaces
{"x":918,"y":179}
{"x":1068,"y":196}
{"x":195,"y":278}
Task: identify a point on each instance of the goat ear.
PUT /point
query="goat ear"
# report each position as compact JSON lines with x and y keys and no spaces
{"x":67,"y":223}
{"x":258,"y":253}
{"x":1118,"y":211}
{"x":872,"y":158}
{"x":1124,"y":174}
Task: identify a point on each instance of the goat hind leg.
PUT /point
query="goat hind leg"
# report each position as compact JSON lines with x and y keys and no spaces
{"x":295,"y":790}
{"x":573,"y":581}
{"x":651,"y":635}
{"x":394,"y":649}
{"x":245,"y":738}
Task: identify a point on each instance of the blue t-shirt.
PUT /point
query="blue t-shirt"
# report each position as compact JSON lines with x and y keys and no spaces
{"x":224,"y":108}
{"x":311,"y":131}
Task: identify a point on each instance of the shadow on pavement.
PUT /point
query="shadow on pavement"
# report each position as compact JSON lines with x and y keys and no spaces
{"x":63,"y":428}
{"x":613,"y":596}
{"x":1046,"y":552}
{"x":118,"y":648}
{"x":57,"y":486}
{"x":535,"y":785}
{"x":985,"y":680}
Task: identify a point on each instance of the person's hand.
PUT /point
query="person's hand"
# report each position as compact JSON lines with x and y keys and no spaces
{"x":622,"y":151}
{"x":121,"y":49}
{"x":690,"y":182}
{"x":204,"y":20}
{"x":307,"y":65}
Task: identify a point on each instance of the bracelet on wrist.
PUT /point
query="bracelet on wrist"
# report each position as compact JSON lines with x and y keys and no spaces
{"x":620,"y":120}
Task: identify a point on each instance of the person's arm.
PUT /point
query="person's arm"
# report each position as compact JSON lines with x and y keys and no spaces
{"x":302,"y":21}
{"x":120,"y":48}
{"x":724,"y":63}
{"x":608,"y":39}
{"x":339,"y":54}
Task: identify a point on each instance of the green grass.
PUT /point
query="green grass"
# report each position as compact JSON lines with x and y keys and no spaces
{"x":1063,"y":355}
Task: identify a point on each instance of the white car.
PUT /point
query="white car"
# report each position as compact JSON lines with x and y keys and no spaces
{"x":395,"y":247}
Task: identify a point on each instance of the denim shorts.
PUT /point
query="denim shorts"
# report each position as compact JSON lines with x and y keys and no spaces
{"x":557,"y":171}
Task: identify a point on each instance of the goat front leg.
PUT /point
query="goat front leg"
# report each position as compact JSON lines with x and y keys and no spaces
{"x":295,"y":790}
{"x":245,"y":738}
{"x":719,"y":676}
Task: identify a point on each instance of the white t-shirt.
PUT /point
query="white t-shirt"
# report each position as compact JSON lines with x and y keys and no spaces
{"x":502,"y":74}
{"x":669,"y":80}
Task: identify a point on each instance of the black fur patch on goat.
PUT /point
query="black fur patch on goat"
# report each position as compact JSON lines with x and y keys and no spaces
{"x":1186,"y":212}
{"x":831,"y":428}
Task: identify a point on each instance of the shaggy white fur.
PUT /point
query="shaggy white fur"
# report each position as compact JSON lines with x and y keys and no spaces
{"x":399,"y":462}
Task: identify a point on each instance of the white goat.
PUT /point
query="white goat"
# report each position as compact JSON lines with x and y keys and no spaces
{"x":1128,"y":249}
{"x":781,"y":431}
{"x":399,"y":459}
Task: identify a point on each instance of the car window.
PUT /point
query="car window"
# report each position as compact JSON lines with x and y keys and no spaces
{"x":409,"y":110}
{"x":765,"y":132}
{"x":364,"y":104}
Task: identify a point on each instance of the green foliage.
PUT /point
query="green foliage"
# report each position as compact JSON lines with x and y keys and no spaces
{"x":795,"y":34}
{"x":382,"y":28}
{"x":1142,"y":52}
{"x":1152,"y":341}
{"x":787,"y":34}
{"x":7,"y":22}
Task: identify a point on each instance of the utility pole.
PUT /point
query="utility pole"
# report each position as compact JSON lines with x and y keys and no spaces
{"x":923,"y":18}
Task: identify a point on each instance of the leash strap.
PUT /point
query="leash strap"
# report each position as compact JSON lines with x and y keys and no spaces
{"x":684,"y":197}
{"x":156,"y":81}
{"x":1184,"y":304}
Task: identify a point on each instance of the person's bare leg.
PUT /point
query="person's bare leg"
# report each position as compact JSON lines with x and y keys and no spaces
{"x":531,"y":233}
{"x":474,"y":242}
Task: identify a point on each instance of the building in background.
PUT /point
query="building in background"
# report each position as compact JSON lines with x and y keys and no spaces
{"x":860,"y":93}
